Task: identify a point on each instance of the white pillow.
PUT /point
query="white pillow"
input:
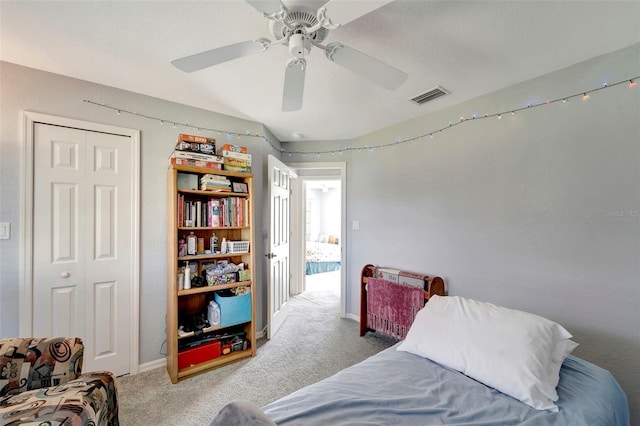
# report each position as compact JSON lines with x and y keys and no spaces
{"x":517,"y":353}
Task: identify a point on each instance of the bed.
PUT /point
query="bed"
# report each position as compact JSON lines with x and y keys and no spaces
{"x":400,"y":388}
{"x":462,"y":362}
{"x":396,"y":387}
{"x":321,"y":257}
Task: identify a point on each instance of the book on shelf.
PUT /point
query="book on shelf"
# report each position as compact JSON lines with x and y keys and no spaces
{"x":198,"y":210}
{"x":192,"y":213}
{"x":219,"y":212}
{"x":180,"y":210}
{"x":213,"y":178}
{"x":214,"y":213}
{"x":211,"y":182}
{"x":215,"y":187}
{"x":232,"y":212}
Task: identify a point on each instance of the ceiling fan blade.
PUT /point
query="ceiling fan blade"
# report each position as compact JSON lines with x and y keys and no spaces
{"x":267,"y":7}
{"x":221,"y":54}
{"x":335,"y":13}
{"x":293,"y":84}
{"x":366,"y":66}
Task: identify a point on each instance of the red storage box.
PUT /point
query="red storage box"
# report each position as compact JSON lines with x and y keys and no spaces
{"x":201,"y":353}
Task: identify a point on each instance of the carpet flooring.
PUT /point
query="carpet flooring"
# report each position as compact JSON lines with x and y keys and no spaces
{"x":312,"y":344}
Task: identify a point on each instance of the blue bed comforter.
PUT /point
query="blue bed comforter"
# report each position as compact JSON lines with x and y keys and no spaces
{"x":399,"y":388}
{"x":321,"y":257}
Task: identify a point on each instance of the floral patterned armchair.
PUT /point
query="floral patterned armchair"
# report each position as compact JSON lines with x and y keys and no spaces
{"x":41,"y":383}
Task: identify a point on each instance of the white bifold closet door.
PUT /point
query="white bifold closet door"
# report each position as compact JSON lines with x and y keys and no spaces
{"x":82,"y":254}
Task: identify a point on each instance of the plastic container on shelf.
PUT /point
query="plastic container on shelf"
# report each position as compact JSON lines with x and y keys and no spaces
{"x":187,"y":277}
{"x":192,"y":244}
{"x":213,"y":243}
{"x":233,"y":309}
{"x":213,"y":314}
{"x":238,"y":246}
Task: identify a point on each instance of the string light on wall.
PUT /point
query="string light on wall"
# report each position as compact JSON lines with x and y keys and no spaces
{"x":228,"y":134}
{"x":398,"y":141}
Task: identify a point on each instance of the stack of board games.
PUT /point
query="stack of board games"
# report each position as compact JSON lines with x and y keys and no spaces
{"x":198,"y":151}
{"x":235,"y":158}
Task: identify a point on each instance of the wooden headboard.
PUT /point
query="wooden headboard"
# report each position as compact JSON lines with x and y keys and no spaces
{"x":432,"y":285}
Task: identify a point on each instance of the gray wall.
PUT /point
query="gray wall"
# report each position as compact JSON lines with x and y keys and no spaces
{"x":28,"y":89}
{"x":537,"y":211}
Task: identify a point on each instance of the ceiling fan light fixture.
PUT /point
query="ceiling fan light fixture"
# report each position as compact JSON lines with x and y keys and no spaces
{"x":299,"y":45}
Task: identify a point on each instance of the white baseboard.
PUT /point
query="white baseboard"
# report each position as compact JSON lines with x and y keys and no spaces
{"x":152,"y":365}
{"x":353,"y":317}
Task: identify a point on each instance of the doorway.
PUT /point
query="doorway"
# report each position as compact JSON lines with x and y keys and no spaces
{"x":322,"y":230}
{"x":318,"y":215}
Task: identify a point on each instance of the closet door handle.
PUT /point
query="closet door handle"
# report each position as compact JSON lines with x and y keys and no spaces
{"x":65,"y":274}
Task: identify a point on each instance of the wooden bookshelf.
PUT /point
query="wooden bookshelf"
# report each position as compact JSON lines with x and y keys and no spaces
{"x":183,"y":302}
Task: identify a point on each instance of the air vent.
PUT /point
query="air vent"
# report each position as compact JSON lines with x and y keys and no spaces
{"x":430,"y":95}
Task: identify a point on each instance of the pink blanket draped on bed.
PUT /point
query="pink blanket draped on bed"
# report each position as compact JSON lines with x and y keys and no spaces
{"x":391,"y":307}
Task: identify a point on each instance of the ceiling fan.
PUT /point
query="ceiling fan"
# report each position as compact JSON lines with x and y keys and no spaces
{"x":300,"y":28}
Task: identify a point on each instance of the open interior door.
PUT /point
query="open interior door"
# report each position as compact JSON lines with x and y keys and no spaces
{"x":278,"y":251}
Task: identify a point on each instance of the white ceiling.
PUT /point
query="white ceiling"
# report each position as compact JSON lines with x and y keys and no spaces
{"x":467,"y":47}
{"x":321,"y":184}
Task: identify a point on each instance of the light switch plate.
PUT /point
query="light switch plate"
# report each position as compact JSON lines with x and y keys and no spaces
{"x":5,"y":231}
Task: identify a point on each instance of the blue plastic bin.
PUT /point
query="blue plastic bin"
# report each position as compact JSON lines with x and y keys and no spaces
{"x":233,"y":309}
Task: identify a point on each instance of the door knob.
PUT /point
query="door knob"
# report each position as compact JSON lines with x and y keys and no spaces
{"x":65,"y":274}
